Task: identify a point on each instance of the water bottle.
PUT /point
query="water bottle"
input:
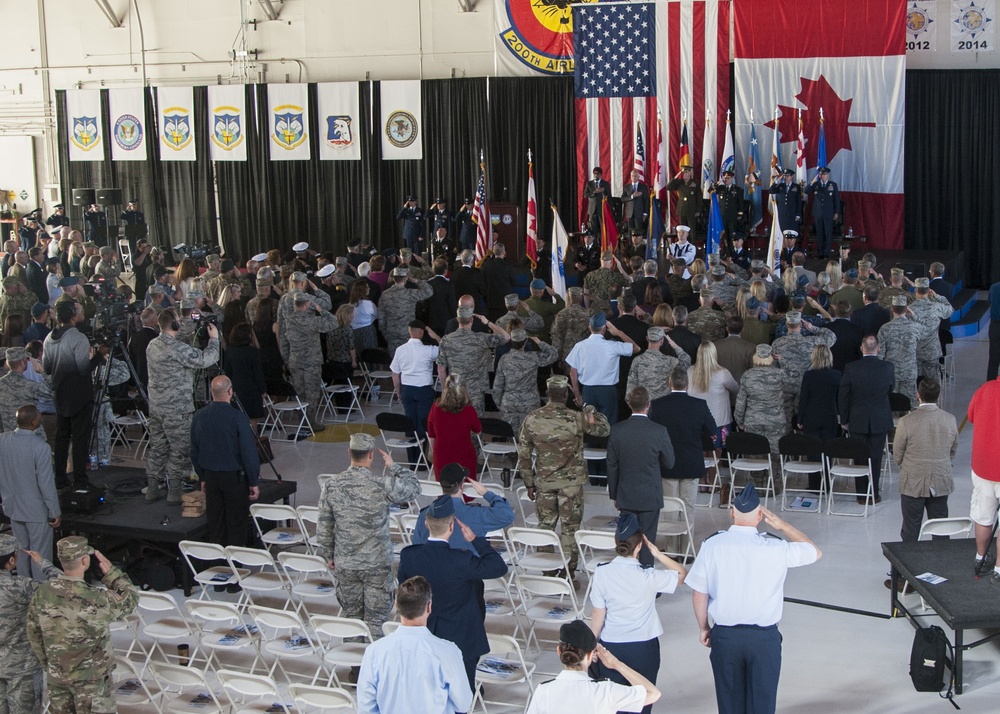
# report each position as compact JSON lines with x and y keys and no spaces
{"x":93,"y":461}
{"x":850,"y":232}
{"x":376,"y":392}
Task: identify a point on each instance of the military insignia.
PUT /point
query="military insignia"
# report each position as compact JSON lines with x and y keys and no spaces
{"x":289,"y":130}
{"x":128,"y":132}
{"x":918,"y":20}
{"x":495,"y":219}
{"x":338,"y":131}
{"x":85,"y":133}
{"x":227,"y":128}
{"x":972,"y":20}
{"x":541,"y":34}
{"x":401,"y":129}
{"x":176,"y":128}
{"x":507,"y":219}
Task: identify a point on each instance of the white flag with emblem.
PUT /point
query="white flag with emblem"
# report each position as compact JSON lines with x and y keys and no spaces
{"x":288,"y":122}
{"x":402,"y":123}
{"x":175,"y":123}
{"x":227,"y":122}
{"x":83,"y":125}
{"x":128,"y":123}
{"x":339,"y":117}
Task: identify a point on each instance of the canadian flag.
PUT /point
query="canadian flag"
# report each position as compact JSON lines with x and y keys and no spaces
{"x":848,"y":60}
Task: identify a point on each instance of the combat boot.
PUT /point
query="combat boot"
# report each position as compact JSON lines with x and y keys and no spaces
{"x":154,"y":492}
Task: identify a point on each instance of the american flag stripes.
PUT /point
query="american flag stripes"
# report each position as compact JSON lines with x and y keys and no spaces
{"x":481,"y":215}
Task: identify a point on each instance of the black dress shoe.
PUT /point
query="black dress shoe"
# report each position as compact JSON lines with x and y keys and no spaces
{"x":234,"y":588}
{"x":219,"y":588}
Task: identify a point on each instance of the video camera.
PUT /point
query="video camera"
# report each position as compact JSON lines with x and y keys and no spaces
{"x":195,"y":252}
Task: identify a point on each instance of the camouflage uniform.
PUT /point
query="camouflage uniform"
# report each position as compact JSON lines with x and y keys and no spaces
{"x":515,"y":387}
{"x":89,"y":306}
{"x":16,"y":391}
{"x":353,"y":533}
{"x":69,"y":630}
{"x":214,"y":288}
{"x":108,"y":271}
{"x":707,"y":323}
{"x":531,"y":320}
{"x":547,"y":311}
{"x":599,"y":284}
{"x":172,"y":366}
{"x":286,"y":304}
{"x":886,"y":294}
{"x":17,"y":305}
{"x":795,"y":350}
{"x":420,"y":272}
{"x":762,"y":403}
{"x":252,"y":306}
{"x":119,"y":375}
{"x":469,"y":354}
{"x":20,"y":672}
{"x":849,"y":294}
{"x":897,"y":343}
{"x":569,"y":327}
{"x":929,"y":311}
{"x":680,"y":289}
{"x":556,"y":433}
{"x":724,"y":291}
{"x":396,"y":309}
{"x":302,"y":352}
{"x":652,"y":370}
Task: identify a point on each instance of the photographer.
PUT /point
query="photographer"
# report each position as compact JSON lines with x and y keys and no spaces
{"x":68,"y":359}
{"x":172,"y":365}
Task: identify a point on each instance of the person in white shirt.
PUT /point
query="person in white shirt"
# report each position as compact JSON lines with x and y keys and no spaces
{"x":412,"y":370}
{"x":411,"y":670}
{"x":594,"y":365}
{"x":684,"y":250}
{"x":574,"y":691}
{"x":738,"y":579}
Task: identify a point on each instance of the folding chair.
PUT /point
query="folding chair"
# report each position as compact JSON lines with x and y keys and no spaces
{"x":266,"y":514}
{"x":501,"y":603}
{"x":853,"y":450}
{"x":321,"y":698}
{"x":751,"y":453}
{"x":284,"y":637}
{"x":503,"y":665}
{"x":332,"y":634}
{"x":708,"y":448}
{"x":501,"y":445}
{"x":202,"y":700}
{"x":329,"y":406}
{"x":390,"y":626}
{"x":293,"y":406}
{"x":193,"y":550}
{"x":900,"y":406}
{"x":954,"y":526}
{"x":222,"y":629}
{"x":310,"y":579}
{"x":547,"y":601}
{"x":392,"y":423}
{"x":125,"y":252}
{"x":263,"y":578}
{"x":795,"y":450}
{"x":170,"y":626}
{"x":596,"y":548}
{"x":530,"y":520}
{"x":131,"y":689}
{"x":309,"y":518}
{"x":243,"y":687}
{"x":370,"y":361}
{"x":527,"y":544}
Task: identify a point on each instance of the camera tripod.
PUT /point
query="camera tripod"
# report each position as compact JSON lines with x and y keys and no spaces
{"x":118,"y":350}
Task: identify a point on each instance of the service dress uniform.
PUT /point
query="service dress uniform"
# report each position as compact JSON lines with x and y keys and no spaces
{"x":574,"y":691}
{"x":689,"y":200}
{"x":788,"y":197}
{"x":826,"y":206}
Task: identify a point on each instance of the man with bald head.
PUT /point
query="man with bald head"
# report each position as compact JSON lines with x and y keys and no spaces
{"x":225,"y":458}
{"x":467,"y":301}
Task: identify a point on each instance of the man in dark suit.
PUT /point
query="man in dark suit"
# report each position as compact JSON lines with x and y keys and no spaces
{"x":35,"y":275}
{"x":140,"y":341}
{"x":687,"y":419}
{"x":635,"y":203}
{"x":938,"y":284}
{"x":439,"y":307}
{"x":733,"y":352}
{"x":872,"y":316}
{"x":458,"y":613}
{"x":847,"y":348}
{"x":595,"y":192}
{"x":648,"y":278}
{"x":499,"y":278}
{"x":639,"y":457}
{"x":679,"y":333}
{"x":864,"y":406}
{"x":468,"y":280}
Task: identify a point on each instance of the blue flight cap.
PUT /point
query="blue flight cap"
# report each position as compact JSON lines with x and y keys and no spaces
{"x":628,"y":525}
{"x":598,"y":320}
{"x":537,"y":284}
{"x":442,"y":507}
{"x":747,"y":500}
{"x":802,"y":281}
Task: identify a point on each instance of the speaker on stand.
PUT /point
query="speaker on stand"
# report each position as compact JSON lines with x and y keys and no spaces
{"x":82,"y":199}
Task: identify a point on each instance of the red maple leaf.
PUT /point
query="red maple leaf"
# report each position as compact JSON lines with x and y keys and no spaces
{"x":817,"y":94}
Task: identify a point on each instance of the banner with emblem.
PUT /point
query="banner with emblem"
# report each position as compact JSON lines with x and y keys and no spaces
{"x":227,"y":122}
{"x":175,"y":123}
{"x":534,"y":37}
{"x":288,"y":122}
{"x":972,"y":25}
{"x":402,"y":123}
{"x":339,"y":113}
{"x":127,"y":111}
{"x":921,"y":26}
{"x":83,"y":124}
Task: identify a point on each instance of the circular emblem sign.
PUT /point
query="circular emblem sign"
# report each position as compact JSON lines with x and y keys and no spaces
{"x":401,"y":129}
{"x":128,"y":132}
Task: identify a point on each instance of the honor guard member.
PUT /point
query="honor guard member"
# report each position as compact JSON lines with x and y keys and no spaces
{"x":58,"y":219}
{"x":439,"y":216}
{"x":555,"y":479}
{"x":740,"y":256}
{"x":636,"y":248}
{"x":69,"y":629}
{"x":596,"y":190}
{"x":571,"y":324}
{"x":929,"y":309}
{"x":730,"y":205}
{"x":738,"y":580}
{"x":789,"y":248}
{"x":897,"y":343}
{"x":635,"y":204}
{"x":303,"y":353}
{"x":398,"y":307}
{"x":588,"y":256}
{"x":97,"y":225}
{"x":172,"y":366}
{"x":825,"y":209}
{"x":515,"y":387}
{"x":353,"y":530}
{"x":788,"y":197}
{"x":683,"y":250}
{"x":413,"y":224}
{"x":442,"y":246}
{"x":134,"y":222}
{"x":28,"y":232}
{"x":689,"y":196}
{"x":466,"y":226}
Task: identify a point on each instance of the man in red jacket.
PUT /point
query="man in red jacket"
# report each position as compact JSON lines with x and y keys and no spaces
{"x":984,"y":414}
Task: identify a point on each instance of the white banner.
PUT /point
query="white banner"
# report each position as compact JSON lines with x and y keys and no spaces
{"x":227,"y":122}
{"x":83,"y":123}
{"x":402,"y":127}
{"x":288,"y":122}
{"x":972,"y":25}
{"x":921,"y":26}
{"x":175,"y":123}
{"x":339,"y":114}
{"x":127,"y":109}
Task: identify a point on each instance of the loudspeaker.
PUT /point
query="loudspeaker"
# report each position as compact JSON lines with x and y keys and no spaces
{"x":109,"y":196}
{"x":83,"y":196}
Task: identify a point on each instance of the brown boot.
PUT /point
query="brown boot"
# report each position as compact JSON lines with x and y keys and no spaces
{"x":724,"y":494}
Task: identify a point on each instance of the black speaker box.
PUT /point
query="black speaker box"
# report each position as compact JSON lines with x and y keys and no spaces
{"x":83,"y":196}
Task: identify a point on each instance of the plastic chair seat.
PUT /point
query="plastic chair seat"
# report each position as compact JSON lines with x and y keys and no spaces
{"x":555,"y":611}
{"x":314,"y":588}
{"x":803,"y":467}
{"x":348,"y":654}
{"x":848,"y":471}
{"x":262,"y":581}
{"x":746,"y":464}
{"x":541,"y":561}
{"x":229,"y":637}
{"x":510,"y":670}
{"x":167,"y":628}
{"x":209,"y":576}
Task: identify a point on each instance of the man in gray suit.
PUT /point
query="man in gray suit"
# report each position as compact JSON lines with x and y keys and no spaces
{"x":28,"y":490}
{"x":639,"y":454}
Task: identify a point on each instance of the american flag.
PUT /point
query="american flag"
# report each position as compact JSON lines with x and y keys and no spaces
{"x":640,"y":151}
{"x":637,"y":63}
{"x":481,"y":215}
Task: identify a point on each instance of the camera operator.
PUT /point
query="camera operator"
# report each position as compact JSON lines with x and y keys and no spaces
{"x":108,"y":267}
{"x":73,"y":292}
{"x":140,"y":341}
{"x":171,"y":365}
{"x":68,"y":359}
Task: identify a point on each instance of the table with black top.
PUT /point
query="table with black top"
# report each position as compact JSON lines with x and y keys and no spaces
{"x":963,"y":602}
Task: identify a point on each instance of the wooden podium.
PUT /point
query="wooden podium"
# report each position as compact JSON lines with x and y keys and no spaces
{"x":507,"y":222}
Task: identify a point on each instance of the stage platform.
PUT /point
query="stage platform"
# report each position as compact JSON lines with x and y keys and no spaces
{"x":963,"y":602}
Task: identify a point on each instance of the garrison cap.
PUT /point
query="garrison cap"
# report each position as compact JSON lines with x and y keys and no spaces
{"x":537,"y":284}
{"x":747,"y":500}
{"x":38,"y":309}
{"x":851,"y":273}
{"x":441,"y":507}
{"x":65,"y":282}
{"x":628,"y":526}
{"x":598,"y":320}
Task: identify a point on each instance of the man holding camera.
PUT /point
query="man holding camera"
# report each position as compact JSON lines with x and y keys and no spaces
{"x":69,"y":359}
{"x":172,"y":366}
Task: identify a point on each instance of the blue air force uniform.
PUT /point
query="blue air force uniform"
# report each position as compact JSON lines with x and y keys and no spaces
{"x":413,"y":227}
{"x":730,"y":204}
{"x":466,"y":228}
{"x":788,"y":197}
{"x":481,"y":520}
{"x":826,"y":204}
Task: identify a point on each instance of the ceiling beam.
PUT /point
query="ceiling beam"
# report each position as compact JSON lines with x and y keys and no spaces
{"x":268,"y":7}
{"x":109,"y":13}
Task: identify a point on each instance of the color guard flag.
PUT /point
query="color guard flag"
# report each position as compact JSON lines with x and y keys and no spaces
{"x":728,"y":152}
{"x":531,"y":229}
{"x":752,"y":181}
{"x":776,"y":167}
{"x":640,"y":151}
{"x":656,"y":229}
{"x":800,"y":151}
{"x":821,"y":152}
{"x":714,"y":238}
{"x":685,"y":150}
{"x":609,"y":233}
{"x":773,"y":243}
{"x":560,"y":248}
{"x":481,"y":216}
{"x":708,"y":177}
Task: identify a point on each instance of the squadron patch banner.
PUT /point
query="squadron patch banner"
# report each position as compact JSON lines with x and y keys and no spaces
{"x":288,"y":122}
{"x":127,"y":108}
{"x":339,"y":117}
{"x":83,"y":124}
{"x":227,"y":122}
{"x":175,"y":123}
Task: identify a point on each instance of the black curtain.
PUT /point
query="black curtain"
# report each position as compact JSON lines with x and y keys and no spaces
{"x":951,"y":149}
{"x":176,"y":196}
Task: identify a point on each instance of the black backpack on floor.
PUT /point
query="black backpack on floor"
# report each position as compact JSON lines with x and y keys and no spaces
{"x":928,"y":659}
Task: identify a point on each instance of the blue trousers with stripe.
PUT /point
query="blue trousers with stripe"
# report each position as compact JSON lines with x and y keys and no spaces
{"x":746,"y":661}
